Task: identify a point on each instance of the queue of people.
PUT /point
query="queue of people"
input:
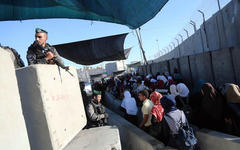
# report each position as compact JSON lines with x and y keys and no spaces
{"x":165,"y":100}
{"x":160,"y":116}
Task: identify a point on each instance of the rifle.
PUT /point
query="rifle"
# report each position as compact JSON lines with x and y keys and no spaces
{"x":55,"y":60}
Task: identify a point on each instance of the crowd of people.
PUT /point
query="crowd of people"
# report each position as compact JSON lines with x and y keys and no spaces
{"x":166,"y":103}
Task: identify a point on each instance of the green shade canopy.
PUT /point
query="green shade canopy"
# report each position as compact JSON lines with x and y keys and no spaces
{"x":132,"y":13}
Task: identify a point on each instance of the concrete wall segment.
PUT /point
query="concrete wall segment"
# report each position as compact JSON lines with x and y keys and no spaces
{"x":52,"y":105}
{"x":12,"y":127}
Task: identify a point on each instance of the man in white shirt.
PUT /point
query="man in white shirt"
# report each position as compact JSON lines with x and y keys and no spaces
{"x":146,"y":109}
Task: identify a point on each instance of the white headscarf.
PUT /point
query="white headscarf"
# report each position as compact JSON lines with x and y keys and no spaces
{"x":161,"y":77}
{"x":153,"y":80}
{"x":173,"y":91}
{"x":182,"y":90}
{"x":149,"y":76}
{"x":129,"y":103}
{"x":127,"y":94}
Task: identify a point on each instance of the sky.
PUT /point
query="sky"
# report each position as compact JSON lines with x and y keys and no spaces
{"x":156,"y":34}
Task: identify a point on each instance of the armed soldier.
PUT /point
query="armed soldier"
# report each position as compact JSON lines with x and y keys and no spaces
{"x":41,"y":52}
{"x":96,"y":112}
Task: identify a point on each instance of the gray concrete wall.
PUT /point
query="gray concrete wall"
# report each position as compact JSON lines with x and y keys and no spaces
{"x":52,"y":105}
{"x":222,"y":66}
{"x":173,"y":63}
{"x":159,"y":67}
{"x":222,"y":31}
{"x":201,"y":67}
{"x":13,"y":132}
{"x":185,"y":70}
{"x":231,"y":24}
{"x":217,"y":67}
{"x":212,"y":33}
{"x":236,"y":62}
{"x":154,"y":68}
{"x":163,"y":67}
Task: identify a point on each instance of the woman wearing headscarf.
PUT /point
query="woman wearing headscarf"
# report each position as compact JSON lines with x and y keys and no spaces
{"x":163,"y":78}
{"x":231,"y":113}
{"x":233,"y":93}
{"x":157,"y":115}
{"x":171,"y":113}
{"x":173,"y":91}
{"x":153,"y":84}
{"x":195,"y":100}
{"x":173,"y":117}
{"x":157,"y":110}
{"x":211,"y":112}
{"x":182,"y":90}
{"x":129,"y":104}
{"x":182,"y":97}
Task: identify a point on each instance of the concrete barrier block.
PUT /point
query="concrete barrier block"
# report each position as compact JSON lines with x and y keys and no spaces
{"x":212,"y":140}
{"x":197,"y":43}
{"x":154,"y":68}
{"x":203,"y":35}
{"x":212,"y":33}
{"x":163,"y":66}
{"x":173,"y":64}
{"x":222,"y":28}
{"x":13,"y":132}
{"x":236,"y":63}
{"x":101,"y":138}
{"x":222,"y":66}
{"x":188,"y":46}
{"x":185,"y":70}
{"x":201,"y":67}
{"x":230,"y":28}
{"x":52,"y":105}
